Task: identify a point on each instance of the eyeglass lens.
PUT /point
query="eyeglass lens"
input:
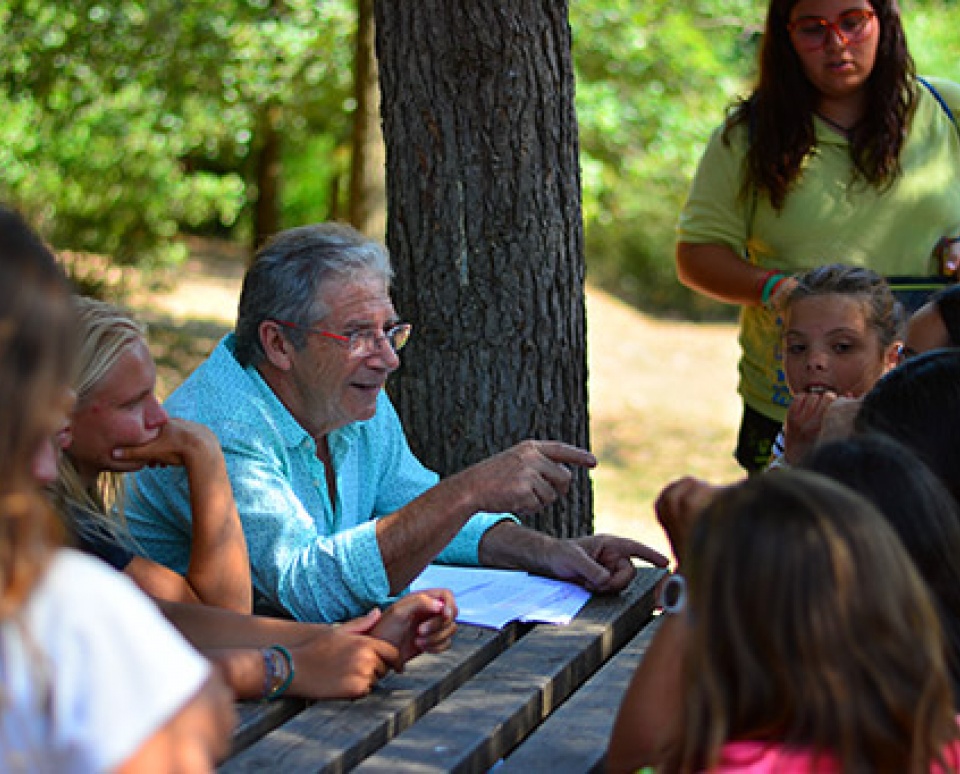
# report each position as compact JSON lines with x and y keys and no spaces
{"x":366,"y":342}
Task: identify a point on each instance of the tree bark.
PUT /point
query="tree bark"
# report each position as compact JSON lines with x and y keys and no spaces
{"x":367,"y":183}
{"x":485,"y":230}
{"x":266,"y":216}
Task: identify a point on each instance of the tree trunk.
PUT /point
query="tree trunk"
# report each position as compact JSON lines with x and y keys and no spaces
{"x":367,"y":183}
{"x":485,"y":230}
{"x":266,"y":218}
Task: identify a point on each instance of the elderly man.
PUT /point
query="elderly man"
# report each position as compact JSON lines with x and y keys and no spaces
{"x":339,"y":515}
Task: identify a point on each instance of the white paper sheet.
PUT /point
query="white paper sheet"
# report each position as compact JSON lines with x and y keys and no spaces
{"x":494,"y":598}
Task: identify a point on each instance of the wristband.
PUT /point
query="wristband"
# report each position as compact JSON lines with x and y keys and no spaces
{"x":673,"y":594}
{"x":279,"y":690}
{"x":278,"y":672}
{"x":773,"y":281}
{"x":763,"y":281}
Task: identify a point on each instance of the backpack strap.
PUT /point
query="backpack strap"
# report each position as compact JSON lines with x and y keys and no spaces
{"x":939,"y":98}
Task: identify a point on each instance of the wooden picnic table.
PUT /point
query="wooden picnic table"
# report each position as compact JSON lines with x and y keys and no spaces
{"x":528,"y":698}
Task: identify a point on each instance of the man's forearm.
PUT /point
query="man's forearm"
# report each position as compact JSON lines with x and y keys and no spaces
{"x":509,"y":546}
{"x":413,"y":536}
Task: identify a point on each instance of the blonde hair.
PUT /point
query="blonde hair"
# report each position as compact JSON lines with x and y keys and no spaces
{"x":810,"y":628}
{"x":105,"y":333}
{"x":35,"y":345}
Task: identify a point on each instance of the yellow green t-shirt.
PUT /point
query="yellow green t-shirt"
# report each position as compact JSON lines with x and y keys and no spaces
{"x":828,"y":217}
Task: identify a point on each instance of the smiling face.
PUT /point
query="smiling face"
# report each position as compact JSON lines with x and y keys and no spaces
{"x":120,"y":410}
{"x":838,"y":70}
{"x":829,"y":345}
{"x":326,"y":387}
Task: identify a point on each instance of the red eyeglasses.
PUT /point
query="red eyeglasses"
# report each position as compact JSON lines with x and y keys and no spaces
{"x":811,"y":33}
{"x":364,"y":342}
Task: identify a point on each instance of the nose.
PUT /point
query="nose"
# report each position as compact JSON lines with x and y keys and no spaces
{"x":155,"y":415}
{"x":384,"y":351}
{"x":834,"y":38}
{"x":817,"y":361}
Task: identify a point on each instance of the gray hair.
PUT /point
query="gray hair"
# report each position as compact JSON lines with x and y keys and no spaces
{"x":284,"y":280}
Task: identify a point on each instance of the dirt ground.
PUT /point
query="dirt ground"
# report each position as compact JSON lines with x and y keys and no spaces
{"x":662,"y":393}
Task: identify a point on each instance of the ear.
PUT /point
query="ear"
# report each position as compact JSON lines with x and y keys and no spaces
{"x":891,"y":355}
{"x":275,"y":345}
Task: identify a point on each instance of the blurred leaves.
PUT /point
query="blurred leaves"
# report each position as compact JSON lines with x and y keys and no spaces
{"x":126,"y":122}
{"x":123,"y":122}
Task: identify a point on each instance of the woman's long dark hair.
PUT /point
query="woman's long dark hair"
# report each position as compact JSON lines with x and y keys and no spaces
{"x":811,"y":629}
{"x":778,"y":115}
{"x":36,"y":326}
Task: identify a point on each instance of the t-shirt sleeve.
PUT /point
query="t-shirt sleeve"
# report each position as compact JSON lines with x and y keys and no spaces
{"x":93,"y":540}
{"x":715,"y":211}
{"x":120,"y":670}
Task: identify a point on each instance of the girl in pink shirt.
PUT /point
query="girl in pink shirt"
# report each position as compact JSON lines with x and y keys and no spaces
{"x":811,"y":642}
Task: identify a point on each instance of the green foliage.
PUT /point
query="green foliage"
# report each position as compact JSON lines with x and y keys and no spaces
{"x":932,"y":35}
{"x":123,"y":123}
{"x":126,"y":123}
{"x":653,"y":80}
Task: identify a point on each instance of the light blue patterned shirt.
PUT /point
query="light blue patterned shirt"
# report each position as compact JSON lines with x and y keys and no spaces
{"x":318,"y":561}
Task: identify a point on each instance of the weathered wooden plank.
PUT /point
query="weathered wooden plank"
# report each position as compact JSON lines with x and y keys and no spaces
{"x":255,"y":719}
{"x":332,"y":736}
{"x":477,"y":724}
{"x":574,"y":739}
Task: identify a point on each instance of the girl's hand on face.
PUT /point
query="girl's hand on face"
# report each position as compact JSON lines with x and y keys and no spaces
{"x":804,"y":422}
{"x":179,"y":443}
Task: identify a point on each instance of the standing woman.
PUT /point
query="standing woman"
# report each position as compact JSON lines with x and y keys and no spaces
{"x":92,"y":678}
{"x":839,"y":151}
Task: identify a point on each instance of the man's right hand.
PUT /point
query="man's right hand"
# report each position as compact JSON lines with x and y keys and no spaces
{"x":524,"y":479}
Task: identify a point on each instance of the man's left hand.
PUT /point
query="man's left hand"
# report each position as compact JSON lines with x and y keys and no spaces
{"x":600,"y":563}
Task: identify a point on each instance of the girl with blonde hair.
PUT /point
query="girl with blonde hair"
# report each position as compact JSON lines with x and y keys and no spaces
{"x":119,"y":426}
